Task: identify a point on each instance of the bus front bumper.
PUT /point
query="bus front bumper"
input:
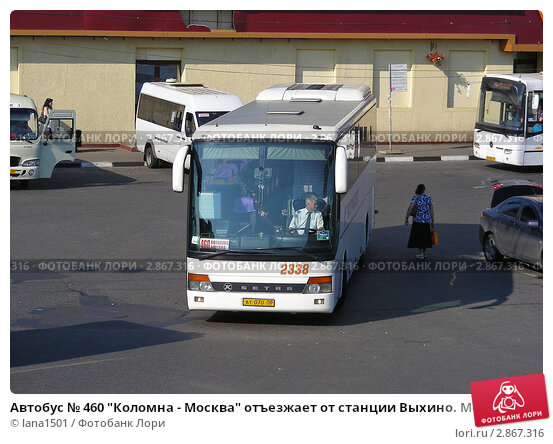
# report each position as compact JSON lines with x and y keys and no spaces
{"x":264,"y":302}
{"x":498,"y":154}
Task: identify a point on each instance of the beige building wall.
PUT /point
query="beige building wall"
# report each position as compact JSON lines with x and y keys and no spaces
{"x":96,"y":76}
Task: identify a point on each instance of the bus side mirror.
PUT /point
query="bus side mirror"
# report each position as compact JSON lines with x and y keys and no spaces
{"x":535,"y":101}
{"x":341,"y":171}
{"x":178,"y":170}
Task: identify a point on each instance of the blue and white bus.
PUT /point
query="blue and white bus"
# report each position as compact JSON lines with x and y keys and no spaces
{"x":281,"y":199}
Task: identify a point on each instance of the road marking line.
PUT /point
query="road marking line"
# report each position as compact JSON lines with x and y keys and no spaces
{"x":64,"y":365}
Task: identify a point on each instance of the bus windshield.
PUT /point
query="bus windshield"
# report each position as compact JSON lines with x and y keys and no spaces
{"x":501,"y":107}
{"x":23,"y":124}
{"x":261,"y":196}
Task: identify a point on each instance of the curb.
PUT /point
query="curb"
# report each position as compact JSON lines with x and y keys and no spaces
{"x":84,"y":164}
{"x":426,"y":158}
{"x":98,"y":164}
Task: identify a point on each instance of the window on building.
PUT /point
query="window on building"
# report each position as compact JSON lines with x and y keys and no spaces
{"x":525,"y":62}
{"x":464,"y":76}
{"x":315,"y":66}
{"x":381,"y":78}
{"x":154,"y":71}
{"x":14,"y":71}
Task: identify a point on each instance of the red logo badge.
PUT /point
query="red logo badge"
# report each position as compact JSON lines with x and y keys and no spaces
{"x":500,"y":401}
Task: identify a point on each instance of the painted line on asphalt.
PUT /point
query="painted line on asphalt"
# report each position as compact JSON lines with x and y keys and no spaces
{"x":64,"y":365}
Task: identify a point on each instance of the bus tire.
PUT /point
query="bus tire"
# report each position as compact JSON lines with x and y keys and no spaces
{"x":340,"y":302}
{"x":150,"y":159}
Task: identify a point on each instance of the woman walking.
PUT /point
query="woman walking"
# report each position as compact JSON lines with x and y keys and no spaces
{"x":423,"y":221}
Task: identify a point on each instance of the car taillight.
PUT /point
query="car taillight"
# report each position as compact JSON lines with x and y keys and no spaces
{"x":498,"y":185}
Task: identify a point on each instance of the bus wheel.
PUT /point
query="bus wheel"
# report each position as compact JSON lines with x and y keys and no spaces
{"x":150,"y":159}
{"x":342,"y":299}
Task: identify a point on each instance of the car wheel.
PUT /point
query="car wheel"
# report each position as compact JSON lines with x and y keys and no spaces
{"x":491,"y":253}
{"x":150,"y":159}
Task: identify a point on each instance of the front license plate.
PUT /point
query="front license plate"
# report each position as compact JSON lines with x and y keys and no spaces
{"x":12,"y":172}
{"x":490,"y":158}
{"x":258,"y":302}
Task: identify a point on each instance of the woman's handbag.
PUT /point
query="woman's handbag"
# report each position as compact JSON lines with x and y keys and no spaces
{"x":434,"y":238}
{"x":413,"y":211}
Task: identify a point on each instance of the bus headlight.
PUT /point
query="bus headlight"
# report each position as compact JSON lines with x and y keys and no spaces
{"x":199,"y":282}
{"x":31,"y":163}
{"x":316,"y":285}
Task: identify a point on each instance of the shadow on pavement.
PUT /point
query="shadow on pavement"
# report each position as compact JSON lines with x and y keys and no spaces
{"x":65,"y":178}
{"x":409,"y":289}
{"x":39,"y":346}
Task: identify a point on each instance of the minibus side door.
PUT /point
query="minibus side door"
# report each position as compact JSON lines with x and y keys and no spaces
{"x":58,"y":140}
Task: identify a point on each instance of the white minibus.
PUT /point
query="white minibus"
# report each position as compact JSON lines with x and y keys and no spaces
{"x":509,"y":123}
{"x":281,"y":199}
{"x":169,"y":112}
{"x":35,"y":149}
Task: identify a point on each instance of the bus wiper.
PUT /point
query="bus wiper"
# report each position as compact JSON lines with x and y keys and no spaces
{"x":219,"y":253}
{"x":297,"y":249}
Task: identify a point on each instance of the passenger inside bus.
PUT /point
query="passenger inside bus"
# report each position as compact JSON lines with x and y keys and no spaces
{"x":535,"y":121}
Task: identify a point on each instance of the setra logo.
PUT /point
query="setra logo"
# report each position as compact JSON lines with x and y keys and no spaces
{"x":500,"y":401}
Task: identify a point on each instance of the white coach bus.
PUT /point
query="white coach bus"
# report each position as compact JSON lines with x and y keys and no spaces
{"x":281,"y":199}
{"x":509,"y":123}
{"x":169,"y":112}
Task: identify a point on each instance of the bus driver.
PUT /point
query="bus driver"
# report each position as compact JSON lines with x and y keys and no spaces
{"x":307,"y":218}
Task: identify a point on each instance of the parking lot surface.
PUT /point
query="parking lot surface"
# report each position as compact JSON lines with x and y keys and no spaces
{"x":118,"y":331}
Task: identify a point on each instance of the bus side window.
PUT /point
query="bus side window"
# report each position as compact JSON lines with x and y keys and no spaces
{"x":189,"y":126}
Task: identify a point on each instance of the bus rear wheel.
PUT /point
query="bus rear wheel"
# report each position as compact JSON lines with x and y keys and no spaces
{"x":150,"y":159}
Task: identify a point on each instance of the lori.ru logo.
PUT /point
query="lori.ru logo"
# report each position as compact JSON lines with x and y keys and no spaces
{"x":500,"y":401}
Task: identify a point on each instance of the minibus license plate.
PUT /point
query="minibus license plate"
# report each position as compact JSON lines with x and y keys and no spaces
{"x":490,"y":158}
{"x":258,"y":302}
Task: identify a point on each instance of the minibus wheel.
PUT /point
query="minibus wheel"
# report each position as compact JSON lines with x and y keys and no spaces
{"x":150,"y":159}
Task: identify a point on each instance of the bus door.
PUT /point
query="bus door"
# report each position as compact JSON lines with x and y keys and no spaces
{"x":58,"y":140}
{"x":534,"y":126}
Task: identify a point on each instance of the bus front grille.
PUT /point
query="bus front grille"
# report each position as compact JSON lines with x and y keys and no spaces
{"x":14,"y":161}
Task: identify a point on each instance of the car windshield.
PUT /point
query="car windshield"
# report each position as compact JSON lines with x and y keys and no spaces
{"x":23,"y":124}
{"x":261,"y":196}
{"x":501,"y":106}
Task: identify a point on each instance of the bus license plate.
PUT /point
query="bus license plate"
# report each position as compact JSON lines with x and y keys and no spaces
{"x":258,"y":302}
{"x":490,"y":158}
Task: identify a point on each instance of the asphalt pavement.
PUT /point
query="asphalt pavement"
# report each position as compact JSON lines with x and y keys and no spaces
{"x":109,"y":157}
{"x":116,"y":330}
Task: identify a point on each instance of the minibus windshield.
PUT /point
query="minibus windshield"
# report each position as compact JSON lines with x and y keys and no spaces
{"x":23,"y":124}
